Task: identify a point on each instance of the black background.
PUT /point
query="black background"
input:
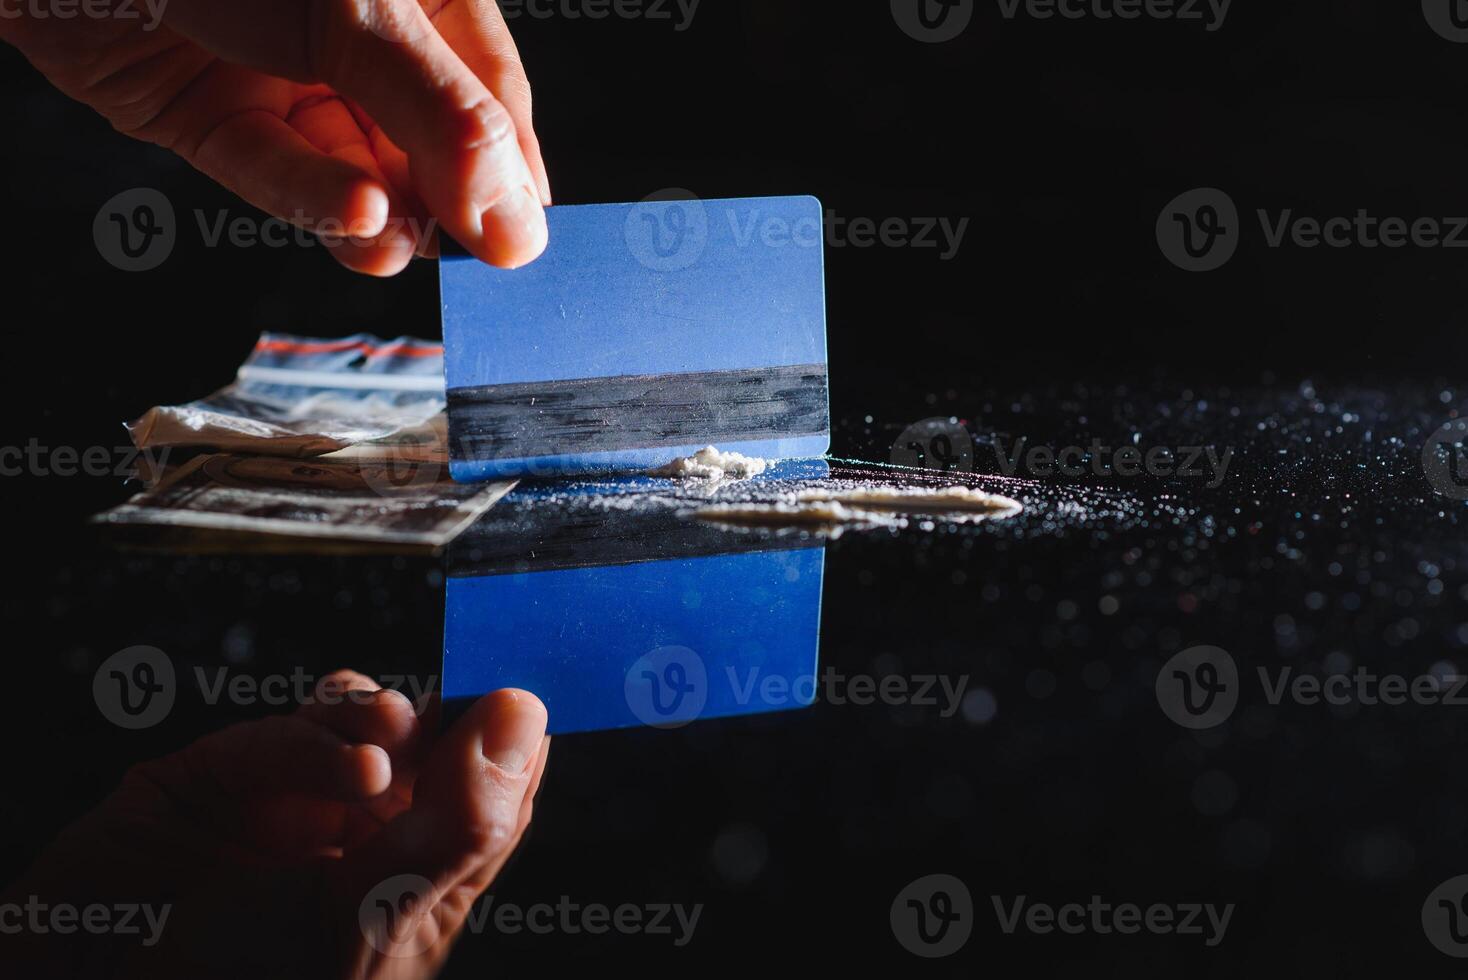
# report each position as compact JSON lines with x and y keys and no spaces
{"x":1061,"y":142}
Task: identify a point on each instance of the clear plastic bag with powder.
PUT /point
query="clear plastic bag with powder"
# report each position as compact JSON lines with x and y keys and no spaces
{"x":306,"y":396}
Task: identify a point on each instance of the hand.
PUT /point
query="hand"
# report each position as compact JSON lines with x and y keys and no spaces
{"x":278,"y":847}
{"x":355,"y":119}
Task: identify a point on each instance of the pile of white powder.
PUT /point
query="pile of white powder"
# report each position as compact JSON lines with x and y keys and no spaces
{"x":711,"y":464}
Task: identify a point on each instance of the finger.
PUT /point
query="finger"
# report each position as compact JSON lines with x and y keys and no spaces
{"x":462,"y":143}
{"x":266,"y":162}
{"x":290,"y":755}
{"x":385,"y":54}
{"x":481,"y":879}
{"x":476,"y":29}
{"x":328,"y":125}
{"x":358,"y":709}
{"x":467,"y":803}
{"x":394,"y":163}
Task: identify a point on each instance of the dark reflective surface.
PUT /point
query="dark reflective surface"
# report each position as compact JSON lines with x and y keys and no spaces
{"x":1020,"y":747}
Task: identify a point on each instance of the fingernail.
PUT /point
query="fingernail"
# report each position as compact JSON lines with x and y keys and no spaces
{"x":515,"y":730}
{"x":514,"y":229}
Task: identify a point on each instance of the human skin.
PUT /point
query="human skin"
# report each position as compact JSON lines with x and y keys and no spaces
{"x":369,"y":122}
{"x":266,"y":841}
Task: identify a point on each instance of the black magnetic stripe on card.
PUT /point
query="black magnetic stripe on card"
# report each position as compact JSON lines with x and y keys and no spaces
{"x":589,"y":415}
{"x":583,"y":537}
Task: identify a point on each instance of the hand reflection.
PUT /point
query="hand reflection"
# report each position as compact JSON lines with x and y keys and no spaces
{"x":271,"y":847}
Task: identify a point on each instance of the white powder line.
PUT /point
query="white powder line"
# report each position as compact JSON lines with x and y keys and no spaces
{"x":865,"y":506}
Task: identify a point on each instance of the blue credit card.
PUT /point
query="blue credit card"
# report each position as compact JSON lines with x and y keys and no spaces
{"x":617,"y":612}
{"x":645,"y":332}
{"x":660,"y":643}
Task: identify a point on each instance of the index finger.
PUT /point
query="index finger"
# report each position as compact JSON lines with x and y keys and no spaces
{"x":386,"y":55}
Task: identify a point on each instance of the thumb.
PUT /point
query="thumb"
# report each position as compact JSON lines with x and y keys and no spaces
{"x":410,"y":886}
